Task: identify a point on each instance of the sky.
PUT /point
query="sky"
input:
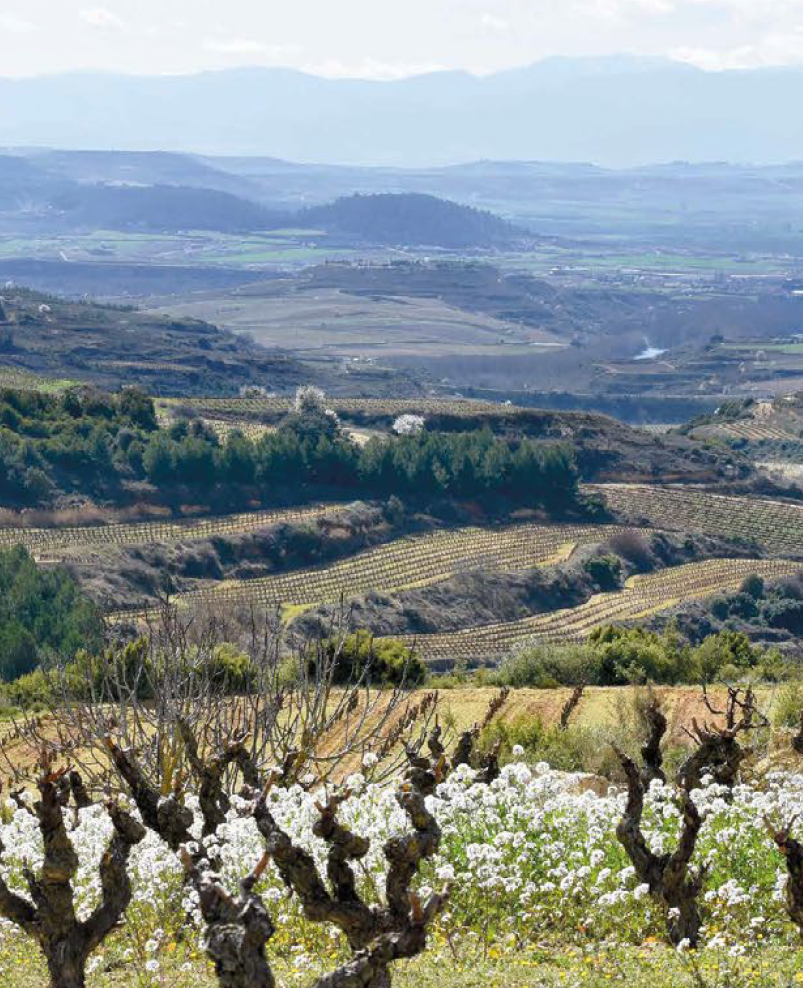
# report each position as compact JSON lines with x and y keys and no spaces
{"x":385,"y":39}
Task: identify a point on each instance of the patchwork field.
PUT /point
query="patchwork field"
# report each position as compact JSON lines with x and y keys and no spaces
{"x":332,"y":322}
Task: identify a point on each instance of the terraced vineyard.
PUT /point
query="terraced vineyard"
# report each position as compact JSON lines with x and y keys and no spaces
{"x":75,"y":540}
{"x":753,"y":430}
{"x":251,"y":430}
{"x":274,"y":407}
{"x":775,"y":525}
{"x":643,"y":595}
{"x":414,"y":561}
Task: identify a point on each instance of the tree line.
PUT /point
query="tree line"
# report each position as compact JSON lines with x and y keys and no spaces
{"x":91,"y":443}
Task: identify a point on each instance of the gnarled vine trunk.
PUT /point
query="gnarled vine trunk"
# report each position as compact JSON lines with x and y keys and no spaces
{"x":668,"y":876}
{"x":50,"y":916}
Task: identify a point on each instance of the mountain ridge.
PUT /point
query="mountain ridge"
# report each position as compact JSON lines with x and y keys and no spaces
{"x":615,"y":111}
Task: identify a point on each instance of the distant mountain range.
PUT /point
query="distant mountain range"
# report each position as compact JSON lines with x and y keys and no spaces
{"x":615,"y":111}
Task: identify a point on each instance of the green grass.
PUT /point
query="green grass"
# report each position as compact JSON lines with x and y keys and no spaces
{"x":642,"y":967}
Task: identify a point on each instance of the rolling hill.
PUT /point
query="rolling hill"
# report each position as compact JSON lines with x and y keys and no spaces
{"x":43,"y":193}
{"x":411,"y":219}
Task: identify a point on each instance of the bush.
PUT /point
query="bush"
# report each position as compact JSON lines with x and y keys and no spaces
{"x":634,"y":655}
{"x":788,"y":705}
{"x":384,"y":662}
{"x":753,"y":586}
{"x":548,"y":666}
{"x":786,"y":614}
{"x":717,"y":652}
{"x":576,"y":749}
{"x":605,"y":571}
{"x":633,"y":547}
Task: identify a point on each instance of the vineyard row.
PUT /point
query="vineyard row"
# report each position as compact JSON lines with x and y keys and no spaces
{"x":643,"y":595}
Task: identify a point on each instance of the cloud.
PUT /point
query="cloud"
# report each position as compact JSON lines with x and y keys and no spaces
{"x":235,"y":46}
{"x":100,"y":17}
{"x":494,"y":23}
{"x":775,"y":48}
{"x":250,"y":46}
{"x":16,"y":25}
{"x":371,"y":68}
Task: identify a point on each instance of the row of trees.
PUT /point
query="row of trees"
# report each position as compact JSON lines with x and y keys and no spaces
{"x":89,"y":442}
{"x":427,"y":465}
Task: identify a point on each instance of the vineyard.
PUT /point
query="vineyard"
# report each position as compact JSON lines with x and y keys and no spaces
{"x":271,"y":407}
{"x":75,"y":540}
{"x":774,"y":525}
{"x":754,"y":430}
{"x":642,"y":596}
{"x":415,"y":561}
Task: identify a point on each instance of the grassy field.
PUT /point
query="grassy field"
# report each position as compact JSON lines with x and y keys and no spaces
{"x":549,"y":967}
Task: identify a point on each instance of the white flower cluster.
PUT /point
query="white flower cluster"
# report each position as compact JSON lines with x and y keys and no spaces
{"x":532,"y":854}
{"x":408,"y":425}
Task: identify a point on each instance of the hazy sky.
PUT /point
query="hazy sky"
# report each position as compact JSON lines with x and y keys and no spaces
{"x":387,"y":38}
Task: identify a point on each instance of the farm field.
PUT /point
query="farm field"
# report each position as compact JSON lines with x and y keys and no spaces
{"x":542,"y":893}
{"x":751,"y":429}
{"x":642,"y":596}
{"x":414,"y":561}
{"x":333,"y":322}
{"x":600,"y":708}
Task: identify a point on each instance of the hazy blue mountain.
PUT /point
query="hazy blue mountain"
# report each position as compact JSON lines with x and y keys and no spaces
{"x":612,"y":111}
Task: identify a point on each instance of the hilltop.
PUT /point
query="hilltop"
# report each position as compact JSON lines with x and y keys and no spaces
{"x":112,"y":345}
{"x":45,"y":195}
{"x":406,"y":219}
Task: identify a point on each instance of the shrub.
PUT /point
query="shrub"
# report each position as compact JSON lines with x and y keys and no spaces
{"x":575,"y":749}
{"x":547,"y":666}
{"x":753,"y":586}
{"x":788,"y":705}
{"x":384,"y":662}
{"x":605,"y":571}
{"x":727,"y":648}
{"x":633,"y":547}
{"x":785,"y":613}
{"x":634,"y":655}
